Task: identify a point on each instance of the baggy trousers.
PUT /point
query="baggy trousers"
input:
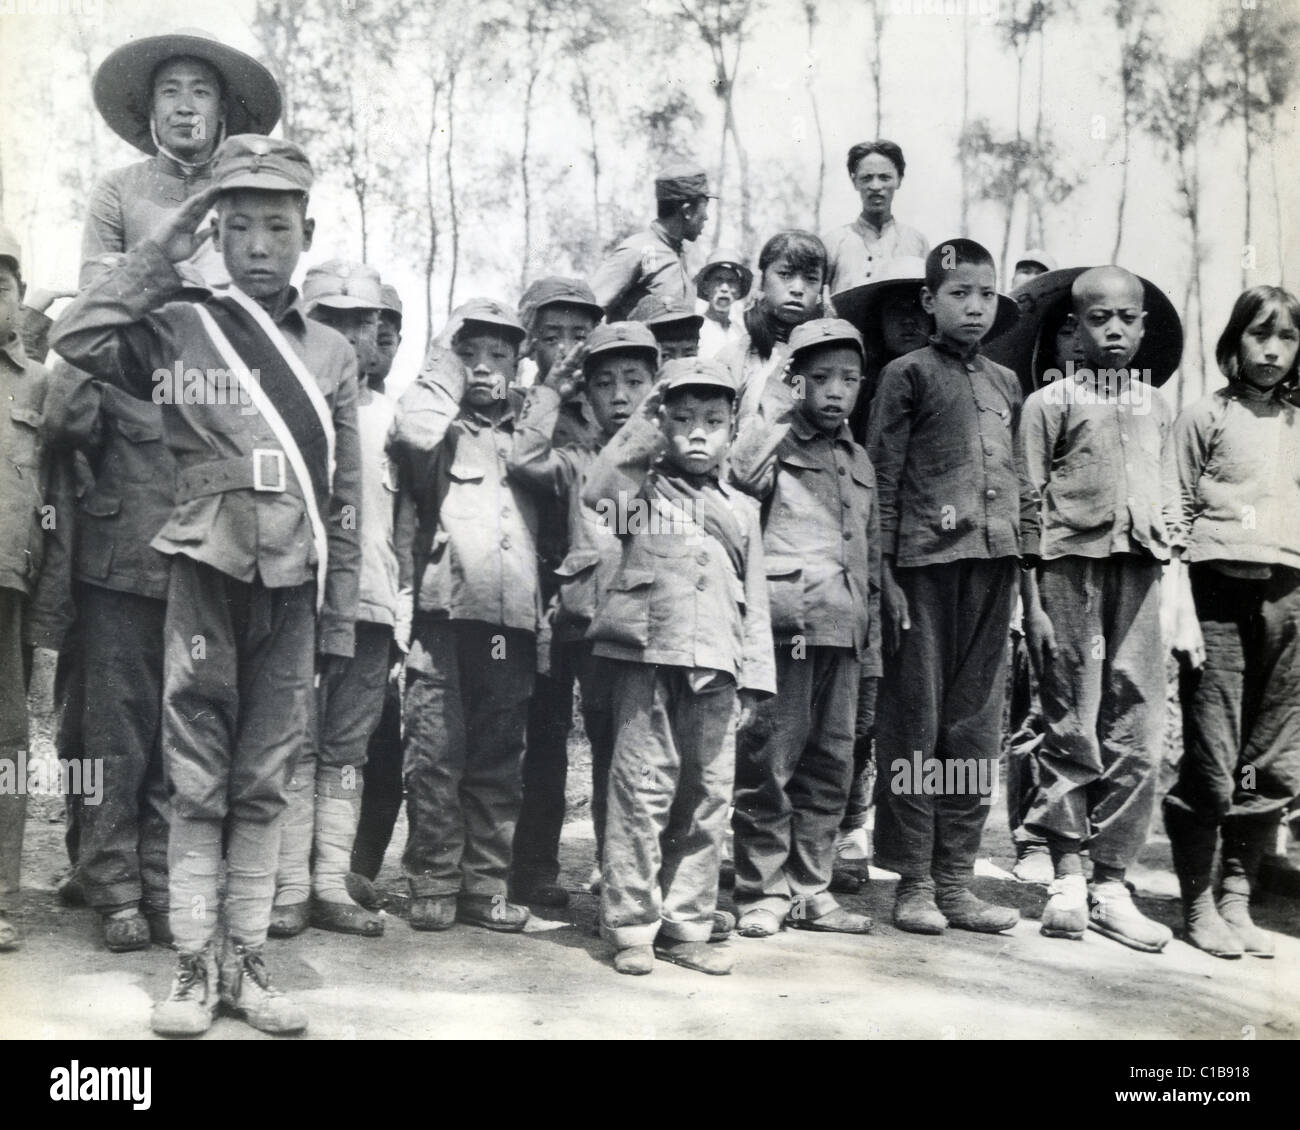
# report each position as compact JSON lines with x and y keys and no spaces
{"x":1103,"y":697}
{"x":123,"y":838}
{"x":670,"y":786}
{"x":941,"y":699}
{"x":466,"y":710}
{"x":794,"y":765}
{"x":546,"y":760}
{"x":237,"y":680}
{"x":1241,"y":710}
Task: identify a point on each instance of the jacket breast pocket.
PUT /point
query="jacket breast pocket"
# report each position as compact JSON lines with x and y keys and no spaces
{"x":465,"y":495}
{"x":137,"y":452}
{"x":785,"y":586}
{"x":1079,"y":498}
{"x":623,"y":616}
{"x":95,"y":545}
{"x":26,"y":431}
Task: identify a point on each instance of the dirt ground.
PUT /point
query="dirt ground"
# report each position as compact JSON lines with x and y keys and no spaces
{"x":555,"y":981}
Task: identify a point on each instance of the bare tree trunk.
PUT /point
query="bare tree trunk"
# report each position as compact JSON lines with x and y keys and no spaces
{"x":1123,"y":174}
{"x":430,"y":211}
{"x":877,"y":61}
{"x":1277,"y":199}
{"x":589,"y":111}
{"x":742,"y":164}
{"x":1011,"y":204}
{"x":523,"y":174}
{"x":1245,"y":118}
{"x":1034,"y":209}
{"x":965,"y":120}
{"x":451,"y":187}
{"x":810,"y":13}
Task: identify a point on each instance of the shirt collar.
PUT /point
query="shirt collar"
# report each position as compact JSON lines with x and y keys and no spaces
{"x":475,"y":421}
{"x":174,"y":168}
{"x":942,"y":346}
{"x":288,"y":312}
{"x":807,"y":432}
{"x":14,"y":353}
{"x":867,"y":225}
{"x":662,"y":233}
{"x":1244,"y":390}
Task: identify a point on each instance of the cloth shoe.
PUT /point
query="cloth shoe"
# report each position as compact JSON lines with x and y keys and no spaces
{"x":289,"y":921}
{"x":431,"y":913}
{"x":337,"y":813}
{"x":190,"y":1008}
{"x":1192,"y":845}
{"x":635,"y":960}
{"x":700,"y":956}
{"x":915,"y":910}
{"x":125,"y":931}
{"x":246,"y":990}
{"x":835,"y":921}
{"x":492,"y":912}
{"x":1245,"y":842}
{"x":1066,"y":912}
{"x":1033,"y":864}
{"x":1112,"y":912}
{"x":966,"y":911}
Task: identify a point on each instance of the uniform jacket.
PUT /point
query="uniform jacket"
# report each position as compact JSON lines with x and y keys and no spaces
{"x":821,"y":533}
{"x":134,"y":480}
{"x":558,"y":472}
{"x":24,"y":468}
{"x":941,"y":439}
{"x":475,"y":538}
{"x":649,"y":262}
{"x":385,"y":592}
{"x":124,"y":330}
{"x":675,"y":598}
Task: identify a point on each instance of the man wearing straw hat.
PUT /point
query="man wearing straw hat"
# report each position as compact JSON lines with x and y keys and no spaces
{"x":173,"y":97}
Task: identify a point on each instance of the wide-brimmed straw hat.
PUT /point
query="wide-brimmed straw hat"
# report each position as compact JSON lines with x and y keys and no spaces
{"x":1046,"y":299}
{"x":904,"y":274}
{"x":123,"y":91}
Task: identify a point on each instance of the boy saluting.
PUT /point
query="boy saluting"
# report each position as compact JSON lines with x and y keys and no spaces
{"x":264,"y":557}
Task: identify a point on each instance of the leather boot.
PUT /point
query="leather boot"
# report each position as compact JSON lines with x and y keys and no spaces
{"x":246,"y":990}
{"x":1246,"y":839}
{"x":1192,"y":844}
{"x":337,"y":812}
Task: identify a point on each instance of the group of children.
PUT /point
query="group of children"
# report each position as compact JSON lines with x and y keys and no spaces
{"x":779,"y":561}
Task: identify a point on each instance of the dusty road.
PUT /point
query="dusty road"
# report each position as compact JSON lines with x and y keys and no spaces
{"x":555,"y":980}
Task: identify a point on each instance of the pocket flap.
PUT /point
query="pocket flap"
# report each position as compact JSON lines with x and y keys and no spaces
{"x":29,"y":416}
{"x":782,"y":566}
{"x":139,"y":431}
{"x":465,"y":470}
{"x":100,"y":504}
{"x":578,"y":561}
{"x":793,"y":457}
{"x":628,"y":579}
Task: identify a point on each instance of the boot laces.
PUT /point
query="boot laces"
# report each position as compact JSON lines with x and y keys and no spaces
{"x":250,"y":962}
{"x":191,"y":977}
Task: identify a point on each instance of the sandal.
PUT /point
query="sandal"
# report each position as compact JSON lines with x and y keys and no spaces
{"x":758,"y":923}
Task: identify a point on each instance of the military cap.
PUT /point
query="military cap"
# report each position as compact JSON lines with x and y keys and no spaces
{"x":391,"y":302}
{"x":249,"y":160}
{"x":682,"y":182}
{"x":691,"y":371}
{"x":489,"y":312}
{"x":554,"y":289}
{"x":342,"y":285}
{"x":825,"y":331}
{"x":1037,"y":256}
{"x":629,"y":336}
{"x":657,"y":312}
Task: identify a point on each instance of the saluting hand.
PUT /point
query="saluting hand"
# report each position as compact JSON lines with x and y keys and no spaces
{"x":565,"y":376}
{"x":178,"y":234}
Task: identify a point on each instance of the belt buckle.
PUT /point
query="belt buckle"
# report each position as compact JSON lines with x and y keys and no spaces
{"x":261,"y":456}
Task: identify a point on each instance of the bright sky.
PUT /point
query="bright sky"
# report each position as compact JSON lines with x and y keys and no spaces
{"x":922,"y":111}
